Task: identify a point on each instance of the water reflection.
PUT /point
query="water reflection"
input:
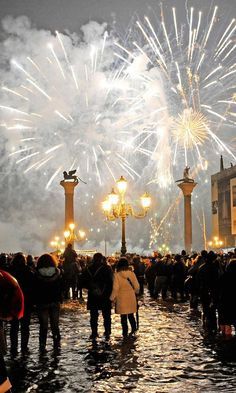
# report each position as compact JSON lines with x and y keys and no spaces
{"x":168,"y":354}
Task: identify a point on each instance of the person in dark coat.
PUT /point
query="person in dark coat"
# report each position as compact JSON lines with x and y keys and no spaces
{"x":208,"y":286}
{"x":139,"y":271}
{"x":150,"y":275}
{"x":98,"y":279}
{"x":48,"y":290}
{"x":163,"y":271}
{"x":227,"y":296}
{"x":178,"y":277}
{"x":71,"y":272}
{"x":25,"y":278}
{"x":193,"y":287}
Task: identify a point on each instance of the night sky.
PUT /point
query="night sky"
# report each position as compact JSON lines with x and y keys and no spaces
{"x":71,"y":14}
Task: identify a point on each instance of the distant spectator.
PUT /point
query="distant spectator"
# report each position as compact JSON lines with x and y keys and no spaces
{"x":48,"y":299}
{"x":150,"y":275}
{"x":208,"y":287}
{"x":139,"y":271}
{"x":98,"y":279}
{"x":178,"y":277}
{"x":25,"y":278}
{"x":71,"y":272}
{"x":227,"y":296}
{"x":125,"y":289}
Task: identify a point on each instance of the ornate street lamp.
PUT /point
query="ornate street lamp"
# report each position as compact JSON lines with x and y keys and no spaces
{"x":164,"y":248}
{"x":58,"y":244}
{"x":216,"y":243}
{"x":71,"y":236}
{"x":115,"y":207}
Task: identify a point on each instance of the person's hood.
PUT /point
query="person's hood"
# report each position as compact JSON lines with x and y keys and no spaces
{"x":48,"y":272}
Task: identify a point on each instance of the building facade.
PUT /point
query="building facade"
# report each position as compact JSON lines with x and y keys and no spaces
{"x":223,"y":198}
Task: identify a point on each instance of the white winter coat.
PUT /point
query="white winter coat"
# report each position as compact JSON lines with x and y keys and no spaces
{"x":123,"y":294}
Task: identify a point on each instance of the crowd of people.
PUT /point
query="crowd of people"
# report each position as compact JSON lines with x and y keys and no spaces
{"x":207,"y":280}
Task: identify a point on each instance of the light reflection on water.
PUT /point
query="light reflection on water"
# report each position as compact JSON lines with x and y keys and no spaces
{"x":169,"y":354}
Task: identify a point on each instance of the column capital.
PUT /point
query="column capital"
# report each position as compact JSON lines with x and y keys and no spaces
{"x":187,"y":187}
{"x":69,"y":186}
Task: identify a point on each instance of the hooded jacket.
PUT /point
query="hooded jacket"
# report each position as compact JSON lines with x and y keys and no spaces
{"x":48,"y":286}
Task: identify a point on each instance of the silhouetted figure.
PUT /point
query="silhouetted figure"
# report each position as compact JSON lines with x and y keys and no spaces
{"x":139,"y":271}
{"x":71,"y":272}
{"x":150,"y":275}
{"x":48,"y":299}
{"x":208,"y":281}
{"x":25,"y":278}
{"x":98,"y":278}
{"x":227,"y":296}
{"x":178,"y":277}
{"x":163,"y":272}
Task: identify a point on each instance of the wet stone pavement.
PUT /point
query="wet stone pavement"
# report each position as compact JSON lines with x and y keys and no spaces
{"x":169,"y":354}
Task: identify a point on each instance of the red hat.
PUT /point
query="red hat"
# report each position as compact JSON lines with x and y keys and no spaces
{"x":11,"y":297}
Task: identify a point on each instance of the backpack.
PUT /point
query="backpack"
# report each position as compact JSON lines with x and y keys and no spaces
{"x":94,"y":288}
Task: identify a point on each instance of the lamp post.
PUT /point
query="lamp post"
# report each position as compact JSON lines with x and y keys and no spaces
{"x":115,"y":207}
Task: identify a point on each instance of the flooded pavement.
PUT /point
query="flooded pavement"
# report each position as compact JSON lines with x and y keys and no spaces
{"x":169,"y":354}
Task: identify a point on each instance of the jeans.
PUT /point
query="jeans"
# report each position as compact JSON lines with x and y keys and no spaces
{"x":124,"y":323}
{"x":24,"y":325}
{"x":106,"y":313}
{"x":48,"y":312}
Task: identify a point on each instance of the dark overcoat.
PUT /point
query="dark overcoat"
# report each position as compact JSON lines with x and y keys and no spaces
{"x":102,"y":275}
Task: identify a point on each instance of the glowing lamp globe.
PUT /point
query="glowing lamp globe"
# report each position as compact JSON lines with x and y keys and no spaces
{"x":146,"y":200}
{"x":106,"y":205}
{"x":113,"y":197}
{"x":122,"y":185}
{"x":66,"y":234}
{"x":81,"y":234}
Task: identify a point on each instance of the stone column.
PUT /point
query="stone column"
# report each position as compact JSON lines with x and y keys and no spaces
{"x":187,"y":189}
{"x":69,"y":187}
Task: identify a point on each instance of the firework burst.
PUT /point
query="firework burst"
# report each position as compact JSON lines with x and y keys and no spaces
{"x":189,"y":129}
{"x":65,"y":110}
{"x":190,"y":70}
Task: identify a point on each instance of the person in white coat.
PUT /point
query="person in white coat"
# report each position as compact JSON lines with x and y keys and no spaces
{"x":125,"y":288}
